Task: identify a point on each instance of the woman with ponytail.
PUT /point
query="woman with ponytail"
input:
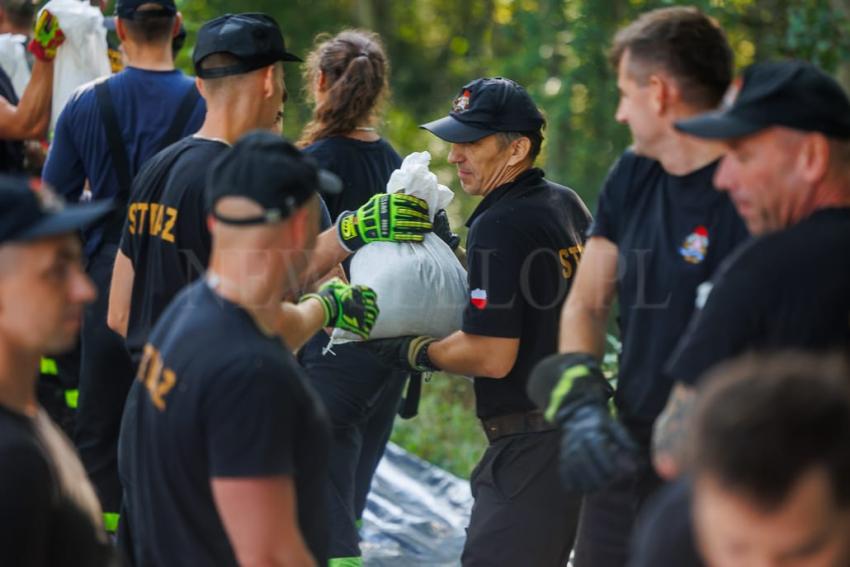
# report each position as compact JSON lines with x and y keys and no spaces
{"x":346,"y":78}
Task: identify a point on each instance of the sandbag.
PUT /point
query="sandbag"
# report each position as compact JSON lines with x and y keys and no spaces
{"x":82,"y":58}
{"x":13,"y":60}
{"x":422,"y":287}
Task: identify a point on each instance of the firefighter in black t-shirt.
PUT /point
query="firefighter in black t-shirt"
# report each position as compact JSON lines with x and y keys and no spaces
{"x":660,"y":231}
{"x":787,"y":136}
{"x":524,"y":243}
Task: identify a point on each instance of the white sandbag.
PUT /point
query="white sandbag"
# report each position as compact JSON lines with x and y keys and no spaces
{"x":82,"y":57}
{"x":421,"y":288}
{"x":13,"y":60}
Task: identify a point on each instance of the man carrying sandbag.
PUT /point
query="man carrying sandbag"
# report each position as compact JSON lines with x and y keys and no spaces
{"x":525,"y":239}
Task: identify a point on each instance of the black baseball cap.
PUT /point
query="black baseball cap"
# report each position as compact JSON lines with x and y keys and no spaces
{"x":24,"y":216}
{"x":127,"y":9}
{"x":486,"y":106}
{"x":269,"y":170}
{"x":793,"y":94}
{"x":254,"y":38}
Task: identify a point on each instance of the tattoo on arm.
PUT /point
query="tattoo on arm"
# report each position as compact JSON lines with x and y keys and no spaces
{"x":672,"y":429}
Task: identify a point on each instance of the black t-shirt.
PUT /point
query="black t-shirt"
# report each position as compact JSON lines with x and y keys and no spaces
{"x":166,"y":235}
{"x":363,"y":167}
{"x":788,"y":289}
{"x":525,"y":239}
{"x":11,"y":151}
{"x":219,"y":399}
{"x":664,"y":531}
{"x":672,"y":232}
{"x":39,"y":525}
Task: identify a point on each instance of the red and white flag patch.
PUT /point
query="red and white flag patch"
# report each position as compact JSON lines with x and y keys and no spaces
{"x":478,"y":298}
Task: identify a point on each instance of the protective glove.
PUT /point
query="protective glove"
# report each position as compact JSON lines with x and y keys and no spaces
{"x":405,"y":353}
{"x":47,"y":36}
{"x":596,"y":450}
{"x":385,"y":217}
{"x":444,"y":230}
{"x":347,"y":307}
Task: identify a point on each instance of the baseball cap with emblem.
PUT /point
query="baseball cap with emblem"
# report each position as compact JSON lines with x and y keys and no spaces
{"x":127,"y":9}
{"x":253,"y":38}
{"x":793,"y":94}
{"x":270,"y":171}
{"x":28,"y":214}
{"x":487,"y":106}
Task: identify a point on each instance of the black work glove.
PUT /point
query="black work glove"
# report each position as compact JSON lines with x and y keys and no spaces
{"x":596,"y":450}
{"x":443,"y":229}
{"x":404,"y":353}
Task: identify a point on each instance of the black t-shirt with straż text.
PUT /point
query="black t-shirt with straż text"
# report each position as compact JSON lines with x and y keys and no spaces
{"x":165,"y":235}
{"x":39,"y":525}
{"x":672,"y":233}
{"x":524,"y":242}
{"x":215,"y":398}
{"x":785,"y":290}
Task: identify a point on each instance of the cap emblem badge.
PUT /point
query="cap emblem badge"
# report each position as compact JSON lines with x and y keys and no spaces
{"x":461,"y":103}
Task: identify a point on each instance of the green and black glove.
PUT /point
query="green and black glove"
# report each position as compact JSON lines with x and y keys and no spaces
{"x":405,"y":353}
{"x":596,"y":450}
{"x":384,"y":218}
{"x":347,"y":307}
{"x":47,"y":36}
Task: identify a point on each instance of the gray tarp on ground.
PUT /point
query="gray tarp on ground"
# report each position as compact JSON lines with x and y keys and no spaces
{"x":416,"y":513}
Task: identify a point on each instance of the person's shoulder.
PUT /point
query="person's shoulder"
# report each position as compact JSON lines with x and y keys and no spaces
{"x":83,"y":98}
{"x":664,"y":532}
{"x":18,"y":445}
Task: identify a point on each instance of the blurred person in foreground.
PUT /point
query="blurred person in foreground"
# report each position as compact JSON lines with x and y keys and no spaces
{"x":769,"y":476}
{"x":49,"y":513}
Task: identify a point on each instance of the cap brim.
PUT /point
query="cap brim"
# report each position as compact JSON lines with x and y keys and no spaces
{"x":329,"y":183}
{"x":719,"y":125}
{"x":70,"y":219}
{"x":453,"y":130}
{"x":291,"y":57}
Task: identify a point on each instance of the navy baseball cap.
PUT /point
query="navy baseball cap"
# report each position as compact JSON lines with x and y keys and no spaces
{"x":793,"y":94}
{"x":127,"y":9}
{"x":253,"y":38}
{"x":486,"y":106}
{"x":25,"y":216}
{"x":269,"y":170}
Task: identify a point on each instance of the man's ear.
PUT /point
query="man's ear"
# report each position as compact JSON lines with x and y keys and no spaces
{"x":120,"y":30}
{"x":520,"y":150}
{"x":178,"y":21}
{"x":268,"y":81}
{"x":814,"y":158}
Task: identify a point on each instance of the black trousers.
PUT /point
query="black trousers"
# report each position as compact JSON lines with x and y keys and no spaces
{"x":608,"y":519}
{"x":105,"y":378}
{"x":521,"y":515}
{"x":362,"y":397}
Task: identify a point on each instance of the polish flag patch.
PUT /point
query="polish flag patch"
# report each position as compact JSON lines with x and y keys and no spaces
{"x":478,"y":298}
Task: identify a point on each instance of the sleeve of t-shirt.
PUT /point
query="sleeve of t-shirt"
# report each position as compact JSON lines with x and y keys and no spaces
{"x":726,"y":324}
{"x":608,"y":218}
{"x":325,"y":220}
{"x":25,"y":513}
{"x":63,"y":169}
{"x":250,"y":421}
{"x":494,"y":266}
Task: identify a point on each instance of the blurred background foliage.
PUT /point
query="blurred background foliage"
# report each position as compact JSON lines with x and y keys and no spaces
{"x":557,"y":50}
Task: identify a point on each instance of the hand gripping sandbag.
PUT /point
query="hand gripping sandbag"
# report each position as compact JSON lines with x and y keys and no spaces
{"x":82,"y":58}
{"x":421,"y":287}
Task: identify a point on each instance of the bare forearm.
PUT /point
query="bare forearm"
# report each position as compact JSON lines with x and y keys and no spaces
{"x":300,"y":321}
{"x":671,"y":432}
{"x":583,"y":329}
{"x":472,"y":355}
{"x":32,"y":115}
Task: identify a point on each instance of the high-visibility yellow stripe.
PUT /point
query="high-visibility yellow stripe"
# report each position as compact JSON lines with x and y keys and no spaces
{"x":72,"y":397}
{"x":345,"y":562}
{"x":48,"y":366}
{"x":110,"y":522}
{"x":563,"y":388}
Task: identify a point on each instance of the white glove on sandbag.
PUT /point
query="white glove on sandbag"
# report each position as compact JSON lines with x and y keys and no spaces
{"x":82,"y":58}
{"x":421,"y":287}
